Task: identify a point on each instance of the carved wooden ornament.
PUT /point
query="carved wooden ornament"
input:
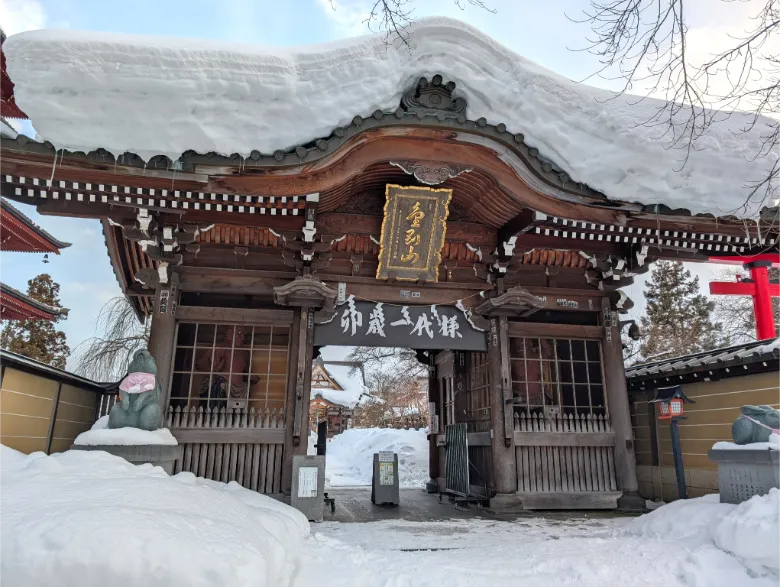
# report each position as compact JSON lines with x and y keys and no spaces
{"x":431,"y":173}
{"x":515,"y":302}
{"x":413,"y":232}
{"x":306,"y":291}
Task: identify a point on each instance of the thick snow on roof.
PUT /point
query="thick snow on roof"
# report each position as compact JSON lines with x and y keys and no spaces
{"x":351,"y":383}
{"x":164,"y":96}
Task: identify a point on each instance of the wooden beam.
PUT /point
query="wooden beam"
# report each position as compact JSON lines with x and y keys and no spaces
{"x":544,"y":329}
{"x":379,"y":145}
{"x":518,"y":225}
{"x":262,"y":316}
{"x":229,"y":435}
{"x":564,"y":439}
{"x":466,"y":232}
{"x":261,"y":283}
{"x":232,"y":281}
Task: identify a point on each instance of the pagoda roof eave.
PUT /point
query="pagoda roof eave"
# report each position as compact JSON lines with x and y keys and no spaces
{"x":14,"y":305}
{"x":49,"y":243}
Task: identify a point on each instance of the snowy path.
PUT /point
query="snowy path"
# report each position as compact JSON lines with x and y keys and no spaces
{"x":527,"y":552}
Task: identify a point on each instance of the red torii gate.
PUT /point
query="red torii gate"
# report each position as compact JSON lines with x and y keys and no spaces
{"x":758,"y":287}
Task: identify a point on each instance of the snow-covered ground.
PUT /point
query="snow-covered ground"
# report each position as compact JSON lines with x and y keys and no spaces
{"x":349,"y":456}
{"x":88,"y":519}
{"x":540,"y":552}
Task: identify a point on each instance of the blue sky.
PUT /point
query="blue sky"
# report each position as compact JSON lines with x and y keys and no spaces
{"x":538,"y":30}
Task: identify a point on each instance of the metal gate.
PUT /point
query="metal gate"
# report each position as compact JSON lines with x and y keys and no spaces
{"x":456,"y":469}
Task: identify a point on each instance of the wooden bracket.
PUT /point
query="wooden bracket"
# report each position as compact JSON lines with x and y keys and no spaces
{"x":241,"y":254}
{"x":356,"y":261}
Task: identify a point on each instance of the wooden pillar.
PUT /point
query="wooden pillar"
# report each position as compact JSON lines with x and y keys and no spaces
{"x":55,"y":405}
{"x":504,"y":462}
{"x":434,"y":470}
{"x":296,"y":421}
{"x":460,"y":378}
{"x":163,"y":331}
{"x":619,"y":410}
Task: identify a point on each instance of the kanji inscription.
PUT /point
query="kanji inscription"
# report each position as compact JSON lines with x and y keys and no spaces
{"x":364,"y":323}
{"x":413,"y":232}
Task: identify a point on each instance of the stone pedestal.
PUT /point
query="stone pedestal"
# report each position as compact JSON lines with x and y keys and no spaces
{"x":505,"y":503}
{"x":743,"y":473}
{"x":160,"y":455}
{"x":631,"y":502}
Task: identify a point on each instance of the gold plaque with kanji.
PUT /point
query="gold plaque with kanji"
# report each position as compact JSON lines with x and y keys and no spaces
{"x":413,"y":232}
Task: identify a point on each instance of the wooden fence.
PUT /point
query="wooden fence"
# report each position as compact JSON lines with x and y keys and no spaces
{"x":105,"y":403}
{"x":564,"y":454}
{"x":231,"y":445}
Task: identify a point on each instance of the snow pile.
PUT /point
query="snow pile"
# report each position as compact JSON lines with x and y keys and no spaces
{"x":350,"y":456}
{"x":771,"y":445}
{"x":749,"y":531}
{"x":78,"y":88}
{"x":102,"y":434}
{"x":89,"y":519}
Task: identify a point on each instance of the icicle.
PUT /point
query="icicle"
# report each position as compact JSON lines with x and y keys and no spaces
{"x":54,"y":166}
{"x":476,"y":250}
{"x":467,"y":313}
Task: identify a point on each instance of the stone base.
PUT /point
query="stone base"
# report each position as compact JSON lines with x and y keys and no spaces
{"x":745,"y":473}
{"x":569,"y":500}
{"x":432,"y":486}
{"x":631,"y":502}
{"x":159,"y":455}
{"x":505,"y":502}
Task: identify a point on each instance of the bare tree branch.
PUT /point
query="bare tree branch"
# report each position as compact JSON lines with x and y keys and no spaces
{"x":105,"y":356}
{"x":646,"y":42}
{"x":393,"y":17}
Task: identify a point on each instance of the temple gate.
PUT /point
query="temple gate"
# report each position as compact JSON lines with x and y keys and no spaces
{"x":414,"y":227}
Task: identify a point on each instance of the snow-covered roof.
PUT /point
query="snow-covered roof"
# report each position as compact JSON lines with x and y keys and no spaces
{"x":714,"y":360}
{"x":351,"y":382}
{"x":165,"y":96}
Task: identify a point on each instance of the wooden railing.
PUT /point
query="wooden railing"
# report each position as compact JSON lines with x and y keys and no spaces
{"x":105,"y":403}
{"x":225,"y":445}
{"x":564,"y":454}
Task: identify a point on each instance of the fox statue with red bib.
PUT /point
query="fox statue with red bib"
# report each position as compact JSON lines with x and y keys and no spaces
{"x":140,"y":395}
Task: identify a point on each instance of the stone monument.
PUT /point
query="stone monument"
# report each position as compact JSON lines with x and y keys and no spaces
{"x":140,"y":395}
{"x":755,"y":424}
{"x":751,"y":464}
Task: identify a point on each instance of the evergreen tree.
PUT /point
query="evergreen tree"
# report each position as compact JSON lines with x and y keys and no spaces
{"x":678,"y":316}
{"x":38,"y":339}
